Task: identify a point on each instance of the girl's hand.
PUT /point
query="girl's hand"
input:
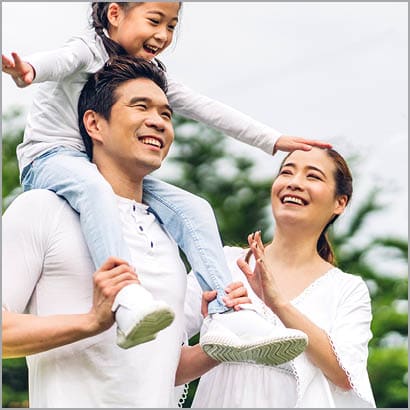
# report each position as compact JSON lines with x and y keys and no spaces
{"x":288,"y":143}
{"x":262,"y":279}
{"x":236,"y":294}
{"x":22,"y":73}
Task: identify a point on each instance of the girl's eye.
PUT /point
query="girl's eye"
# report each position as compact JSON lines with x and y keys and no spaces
{"x":314,"y":176}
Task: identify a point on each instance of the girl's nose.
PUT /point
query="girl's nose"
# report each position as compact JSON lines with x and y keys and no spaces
{"x":161,"y":34}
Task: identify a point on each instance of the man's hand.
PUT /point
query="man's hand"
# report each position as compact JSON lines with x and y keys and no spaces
{"x":113,"y":275}
{"x":22,"y":73}
{"x":236,"y":294}
{"x":288,"y":143}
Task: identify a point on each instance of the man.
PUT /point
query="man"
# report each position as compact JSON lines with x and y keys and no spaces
{"x":52,"y":313}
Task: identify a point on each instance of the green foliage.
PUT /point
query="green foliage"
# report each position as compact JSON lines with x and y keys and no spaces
{"x":205,"y":167}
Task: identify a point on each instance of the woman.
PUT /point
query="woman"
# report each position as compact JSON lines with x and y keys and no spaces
{"x":294,"y":282}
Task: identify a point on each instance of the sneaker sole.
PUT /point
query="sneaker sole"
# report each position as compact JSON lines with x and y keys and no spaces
{"x":270,"y":353}
{"x":147,"y":329}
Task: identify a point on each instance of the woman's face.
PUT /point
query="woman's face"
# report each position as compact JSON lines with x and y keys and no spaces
{"x":304,"y":191}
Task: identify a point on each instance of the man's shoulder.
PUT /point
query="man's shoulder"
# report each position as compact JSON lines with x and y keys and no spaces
{"x":37,"y":201}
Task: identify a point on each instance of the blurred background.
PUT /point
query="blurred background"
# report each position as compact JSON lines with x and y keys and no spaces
{"x":331,"y":71}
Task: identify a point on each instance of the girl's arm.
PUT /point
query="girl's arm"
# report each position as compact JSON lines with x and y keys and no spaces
{"x":22,"y":73}
{"x":52,"y":65}
{"x":233,"y":122}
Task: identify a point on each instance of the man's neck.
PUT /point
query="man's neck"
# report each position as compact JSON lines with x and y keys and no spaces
{"x":123,"y":184}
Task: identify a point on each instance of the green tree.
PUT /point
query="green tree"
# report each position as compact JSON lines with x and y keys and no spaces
{"x":204,"y":166}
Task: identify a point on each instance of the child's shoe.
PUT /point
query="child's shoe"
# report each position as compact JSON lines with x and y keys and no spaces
{"x":139,"y":316}
{"x":245,"y":336}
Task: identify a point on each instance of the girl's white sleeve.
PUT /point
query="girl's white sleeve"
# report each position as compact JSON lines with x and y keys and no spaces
{"x":57,"y":64}
{"x":350,"y":336}
{"x":221,"y":117}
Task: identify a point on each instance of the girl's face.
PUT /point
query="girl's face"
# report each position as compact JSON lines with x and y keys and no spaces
{"x":145,"y":29}
{"x":304,"y":191}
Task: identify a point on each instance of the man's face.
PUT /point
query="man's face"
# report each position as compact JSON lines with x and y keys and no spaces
{"x":139,"y":133}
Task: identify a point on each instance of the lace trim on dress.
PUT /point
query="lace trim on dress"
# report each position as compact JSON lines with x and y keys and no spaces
{"x":350,"y":376}
{"x":310,"y":288}
{"x":184,"y":395}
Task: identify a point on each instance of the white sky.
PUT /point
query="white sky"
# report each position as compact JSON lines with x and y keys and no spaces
{"x":334,"y":71}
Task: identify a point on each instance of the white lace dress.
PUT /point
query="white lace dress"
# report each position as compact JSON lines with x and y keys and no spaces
{"x":339,"y":303}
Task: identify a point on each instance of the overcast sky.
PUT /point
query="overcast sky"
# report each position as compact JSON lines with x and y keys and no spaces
{"x":334,"y":71}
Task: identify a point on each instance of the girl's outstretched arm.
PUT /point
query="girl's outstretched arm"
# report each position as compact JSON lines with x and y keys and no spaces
{"x":22,"y":72}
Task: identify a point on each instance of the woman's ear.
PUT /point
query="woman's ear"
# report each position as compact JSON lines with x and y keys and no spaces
{"x":341,"y":202}
{"x":93,"y":123}
{"x":113,"y":14}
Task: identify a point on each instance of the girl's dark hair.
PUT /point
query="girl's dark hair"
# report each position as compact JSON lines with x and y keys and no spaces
{"x":100,"y":23}
{"x":99,"y":92}
{"x":343,"y":186}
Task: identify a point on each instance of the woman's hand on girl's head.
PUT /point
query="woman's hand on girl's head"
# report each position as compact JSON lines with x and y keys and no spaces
{"x":22,"y":73}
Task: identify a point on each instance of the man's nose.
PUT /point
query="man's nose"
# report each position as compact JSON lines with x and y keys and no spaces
{"x":156,"y":121}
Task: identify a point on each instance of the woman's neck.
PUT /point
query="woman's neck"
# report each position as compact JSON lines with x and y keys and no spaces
{"x":293,"y":251}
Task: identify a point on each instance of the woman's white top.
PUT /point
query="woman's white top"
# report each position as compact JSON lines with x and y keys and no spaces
{"x":337,"y":302}
{"x":53,"y":120}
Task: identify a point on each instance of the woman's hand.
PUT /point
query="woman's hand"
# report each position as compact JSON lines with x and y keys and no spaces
{"x":236,"y":294}
{"x":22,"y":73}
{"x":262,"y":279}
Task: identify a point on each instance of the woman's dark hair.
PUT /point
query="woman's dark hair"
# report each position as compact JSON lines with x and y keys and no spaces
{"x":99,"y":92}
{"x":100,"y":23}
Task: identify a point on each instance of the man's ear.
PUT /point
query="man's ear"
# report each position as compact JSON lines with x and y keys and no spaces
{"x":114,"y":14}
{"x":93,"y":123}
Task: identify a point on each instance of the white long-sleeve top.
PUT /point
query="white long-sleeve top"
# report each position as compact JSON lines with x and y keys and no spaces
{"x":53,"y":120}
{"x":337,"y":302}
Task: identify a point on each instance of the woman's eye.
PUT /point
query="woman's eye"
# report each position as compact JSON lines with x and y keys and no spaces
{"x":154,"y":21}
{"x":171,"y":28}
{"x":314,"y":176}
{"x":285,"y":172}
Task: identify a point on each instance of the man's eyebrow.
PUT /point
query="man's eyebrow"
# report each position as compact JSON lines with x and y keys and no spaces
{"x":136,"y":100}
{"x":312,"y":167}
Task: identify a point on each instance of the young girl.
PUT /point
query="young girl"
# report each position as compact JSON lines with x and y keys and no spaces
{"x":52,"y":157}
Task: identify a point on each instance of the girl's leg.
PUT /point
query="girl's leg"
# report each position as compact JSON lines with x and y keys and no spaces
{"x":70,"y":174}
{"x":191,"y":222}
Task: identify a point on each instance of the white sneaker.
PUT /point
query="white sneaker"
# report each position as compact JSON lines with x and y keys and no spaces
{"x":139,"y":316}
{"x":245,"y":336}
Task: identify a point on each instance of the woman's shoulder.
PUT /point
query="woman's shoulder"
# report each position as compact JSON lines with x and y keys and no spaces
{"x":349,"y":282}
{"x":232,"y":252}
